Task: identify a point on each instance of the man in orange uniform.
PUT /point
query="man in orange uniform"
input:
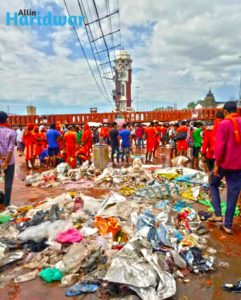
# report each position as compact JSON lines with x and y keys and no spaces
{"x":157,"y":138}
{"x":42,"y":134}
{"x":28,"y":140}
{"x":37,"y":142}
{"x":181,"y":138}
{"x":104,"y":134}
{"x":87,"y":140}
{"x":150,"y":141}
{"x":70,"y":146}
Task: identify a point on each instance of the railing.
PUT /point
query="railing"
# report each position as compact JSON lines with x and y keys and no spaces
{"x":135,"y":117}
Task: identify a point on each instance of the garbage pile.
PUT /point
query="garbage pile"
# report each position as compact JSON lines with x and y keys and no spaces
{"x":63,"y":176}
{"x":115,"y":245}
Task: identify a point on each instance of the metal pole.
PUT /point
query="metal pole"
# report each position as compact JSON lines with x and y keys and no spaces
{"x":137,"y":97}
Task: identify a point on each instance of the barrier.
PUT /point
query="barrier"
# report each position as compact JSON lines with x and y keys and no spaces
{"x":135,"y":117}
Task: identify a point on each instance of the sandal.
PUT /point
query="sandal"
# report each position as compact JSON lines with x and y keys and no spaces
{"x":215,"y":219}
{"x":227,"y":230}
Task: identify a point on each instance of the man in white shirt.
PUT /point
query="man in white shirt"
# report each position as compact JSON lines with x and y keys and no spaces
{"x":20,"y":144}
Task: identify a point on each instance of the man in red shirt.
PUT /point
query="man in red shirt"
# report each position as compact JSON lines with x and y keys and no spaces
{"x":150,"y":141}
{"x":140,"y":136}
{"x":228,"y":164}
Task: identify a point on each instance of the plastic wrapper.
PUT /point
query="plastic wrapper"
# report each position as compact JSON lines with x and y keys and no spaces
{"x":110,"y":225}
{"x":137,"y":267}
{"x":11,"y":257}
{"x":145,"y":219}
{"x":179,"y":161}
{"x":69,"y":236}
{"x":26,"y":277}
{"x":62,"y":168}
{"x":69,"y":280}
{"x":73,"y":259}
{"x":112,"y":198}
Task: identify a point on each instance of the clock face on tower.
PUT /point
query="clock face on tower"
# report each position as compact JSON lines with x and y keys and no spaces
{"x":123,"y":75}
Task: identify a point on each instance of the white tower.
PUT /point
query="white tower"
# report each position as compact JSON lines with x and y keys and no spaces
{"x":123,"y":74}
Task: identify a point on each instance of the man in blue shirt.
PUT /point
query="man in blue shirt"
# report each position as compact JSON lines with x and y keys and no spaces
{"x":125,"y":136}
{"x":53,"y":136}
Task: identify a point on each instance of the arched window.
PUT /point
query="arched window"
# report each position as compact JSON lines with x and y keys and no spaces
{"x":123,"y":90}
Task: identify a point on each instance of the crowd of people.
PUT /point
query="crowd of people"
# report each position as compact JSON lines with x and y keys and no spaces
{"x":217,"y":144}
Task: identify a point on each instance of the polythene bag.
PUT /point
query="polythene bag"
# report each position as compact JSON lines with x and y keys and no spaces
{"x":35,"y":233}
{"x":51,"y":274}
{"x":69,"y":236}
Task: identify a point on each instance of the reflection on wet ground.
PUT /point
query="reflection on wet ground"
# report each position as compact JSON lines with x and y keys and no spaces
{"x":201,"y":287}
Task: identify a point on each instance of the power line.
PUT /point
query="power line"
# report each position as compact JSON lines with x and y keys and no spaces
{"x":102,"y":32}
{"x":94,"y":39}
{"x":99,"y":51}
{"x":119,"y":21}
{"x":91,"y":37}
{"x":82,"y":48}
{"x":82,"y":10}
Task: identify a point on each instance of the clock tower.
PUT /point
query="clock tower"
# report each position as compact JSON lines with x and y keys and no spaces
{"x":123,"y":73}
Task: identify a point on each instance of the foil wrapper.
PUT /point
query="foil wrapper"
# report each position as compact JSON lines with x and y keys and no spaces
{"x":136,"y":266}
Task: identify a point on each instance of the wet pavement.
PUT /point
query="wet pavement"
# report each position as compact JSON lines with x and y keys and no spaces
{"x":200,"y":287}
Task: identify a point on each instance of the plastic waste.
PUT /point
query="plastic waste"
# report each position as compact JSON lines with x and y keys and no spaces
{"x":178,"y":260}
{"x":51,"y":274}
{"x":11,"y":257}
{"x":69,"y":236}
{"x":211,"y":250}
{"x":4,"y":218}
{"x":69,"y":280}
{"x":162,"y":204}
{"x":62,"y":168}
{"x":74,"y":257}
{"x":81,"y":288}
{"x":35,"y":233}
{"x":223,"y":207}
{"x":57,"y":227}
{"x":235,"y":288}
{"x":145,"y":219}
{"x":223,"y":264}
{"x":26,"y":277}
{"x":36,"y":246}
{"x":137,"y":267}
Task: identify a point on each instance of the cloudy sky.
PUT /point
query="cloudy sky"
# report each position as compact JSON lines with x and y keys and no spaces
{"x":179,"y":49}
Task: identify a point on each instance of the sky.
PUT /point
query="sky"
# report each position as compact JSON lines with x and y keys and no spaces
{"x":179,"y":49}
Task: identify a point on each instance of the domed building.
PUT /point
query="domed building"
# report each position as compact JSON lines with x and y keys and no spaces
{"x":209,"y":100}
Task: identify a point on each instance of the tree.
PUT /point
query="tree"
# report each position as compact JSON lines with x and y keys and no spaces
{"x":192,"y":105}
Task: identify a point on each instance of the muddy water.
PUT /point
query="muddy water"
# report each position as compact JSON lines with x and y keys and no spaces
{"x":201,"y":287}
